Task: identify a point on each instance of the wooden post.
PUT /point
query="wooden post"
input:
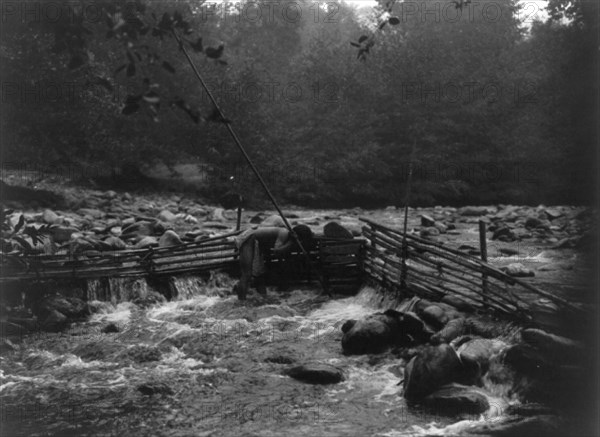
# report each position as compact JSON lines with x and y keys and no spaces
{"x":239,"y":214}
{"x":483,"y":250}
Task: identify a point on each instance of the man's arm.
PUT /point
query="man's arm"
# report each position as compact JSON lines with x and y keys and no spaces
{"x":284,"y":243}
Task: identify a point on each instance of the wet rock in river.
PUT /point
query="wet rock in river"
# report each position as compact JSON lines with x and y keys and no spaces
{"x":457,"y":399}
{"x":348,"y":324}
{"x":554,"y":347}
{"x":481,"y":351}
{"x":316,"y":373}
{"x":517,"y":270}
{"x":373,"y":334}
{"x":435,"y":316}
{"x":454,"y":328}
{"x":51,"y":217}
{"x":273,"y":221}
{"x":110,"y":328}
{"x":142,"y":353}
{"x":115,"y":243}
{"x":427,"y":221}
{"x":431,"y":368}
{"x":458,"y":303}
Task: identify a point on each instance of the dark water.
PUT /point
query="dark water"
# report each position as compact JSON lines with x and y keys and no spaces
{"x":218,"y":367}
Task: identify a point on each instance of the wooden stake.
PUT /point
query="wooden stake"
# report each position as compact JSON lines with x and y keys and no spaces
{"x":483,"y":249}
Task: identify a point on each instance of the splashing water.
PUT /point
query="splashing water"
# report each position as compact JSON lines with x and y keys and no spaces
{"x":208,"y":364}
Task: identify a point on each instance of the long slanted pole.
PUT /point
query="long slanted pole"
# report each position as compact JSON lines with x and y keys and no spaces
{"x":243,"y":151}
{"x":403,"y":272}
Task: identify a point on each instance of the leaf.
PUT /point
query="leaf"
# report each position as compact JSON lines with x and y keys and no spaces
{"x":354,"y":44}
{"x":168,"y":67}
{"x":131,"y":99}
{"x":131,"y":70}
{"x":363,"y":38}
{"x":20,"y":224}
{"x":222,"y":62}
{"x":194,"y":115}
{"x":382,"y":25}
{"x":394,"y":21}
{"x":121,"y":68}
{"x":130,"y":109}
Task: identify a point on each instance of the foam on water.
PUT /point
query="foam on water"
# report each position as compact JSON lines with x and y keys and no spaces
{"x":121,"y":315}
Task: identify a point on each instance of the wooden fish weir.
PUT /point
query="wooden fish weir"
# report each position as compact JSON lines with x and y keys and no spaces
{"x":339,"y":263}
{"x":210,"y":254}
{"x":434,"y":271}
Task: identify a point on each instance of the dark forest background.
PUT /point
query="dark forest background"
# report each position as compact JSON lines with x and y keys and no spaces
{"x":496,"y":111}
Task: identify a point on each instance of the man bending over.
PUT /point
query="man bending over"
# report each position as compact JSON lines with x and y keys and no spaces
{"x":254,"y":244}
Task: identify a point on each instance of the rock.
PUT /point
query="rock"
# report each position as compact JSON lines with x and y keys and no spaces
{"x":504,"y":233}
{"x":138,"y":229}
{"x":429,"y":370}
{"x":110,"y":194}
{"x":481,"y":350}
{"x":115,"y":243}
{"x":70,"y":307}
{"x":411,"y":325}
{"x":553,"y":213}
{"x":441,"y":227}
{"x":348,"y":324}
{"x":373,"y":334}
{"x":554,"y":347}
{"x":62,"y":234}
{"x":427,"y":221}
{"x":526,"y":360}
{"x":435,"y":316}
{"x":456,"y":399}
{"x":454,"y":328}
{"x":473,"y":211}
{"x":517,"y":270}
{"x":337,"y":231}
{"x":273,"y":221}
{"x":458,"y":303}
{"x":153,"y":388}
{"x":166,"y":216}
{"x":316,"y":373}
{"x":116,"y":231}
{"x":151,"y":298}
{"x":147,"y":242}
{"x":91,"y":212}
{"x":54,"y":322}
{"x":532,"y":222}
{"x":429,"y":232}
{"x":51,"y":217}
{"x":217,"y":215}
{"x":169,"y":238}
{"x":110,"y":328}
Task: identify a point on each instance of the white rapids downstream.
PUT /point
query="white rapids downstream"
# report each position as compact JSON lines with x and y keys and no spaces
{"x":210,"y":365}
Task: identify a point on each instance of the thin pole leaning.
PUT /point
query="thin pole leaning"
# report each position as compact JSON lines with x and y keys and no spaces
{"x":403,"y":272}
{"x":243,"y":151}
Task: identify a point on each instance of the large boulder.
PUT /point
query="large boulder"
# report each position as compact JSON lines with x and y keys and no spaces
{"x":457,"y":399}
{"x":453,"y":329}
{"x":473,"y":211}
{"x":377,"y":332}
{"x":431,"y":368}
{"x":480,"y":350}
{"x":554,"y":347}
{"x":337,"y":231}
{"x":55,"y":321}
{"x":71,"y":307}
{"x":166,"y":216}
{"x":316,"y":373}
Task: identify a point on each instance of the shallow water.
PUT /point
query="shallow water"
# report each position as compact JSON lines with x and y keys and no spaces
{"x":221,"y":364}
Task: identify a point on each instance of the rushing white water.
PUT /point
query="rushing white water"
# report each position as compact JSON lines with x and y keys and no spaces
{"x":208,"y":364}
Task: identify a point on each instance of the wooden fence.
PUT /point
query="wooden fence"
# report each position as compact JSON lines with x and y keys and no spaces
{"x":433,"y":271}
